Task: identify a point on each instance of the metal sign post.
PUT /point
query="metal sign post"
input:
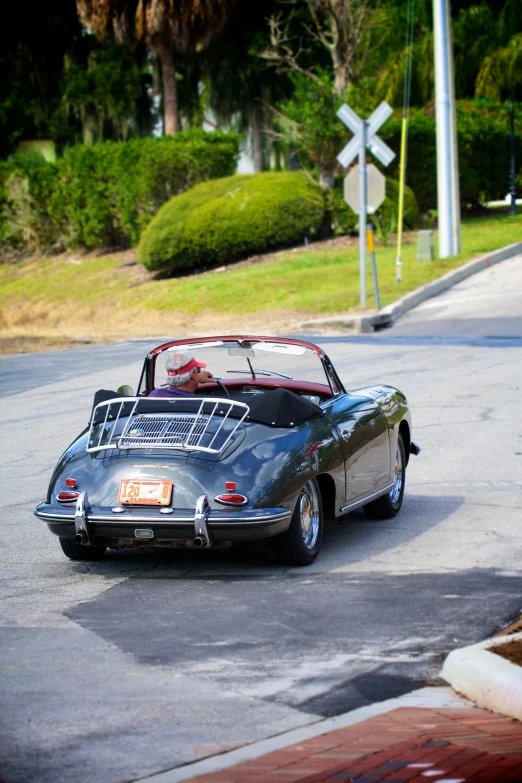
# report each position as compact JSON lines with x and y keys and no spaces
{"x":363,"y":202}
{"x":512,"y":182}
{"x":371,"y":248}
{"x":365,"y":135}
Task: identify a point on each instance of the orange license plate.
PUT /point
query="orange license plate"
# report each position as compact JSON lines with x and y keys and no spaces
{"x":145,"y":493}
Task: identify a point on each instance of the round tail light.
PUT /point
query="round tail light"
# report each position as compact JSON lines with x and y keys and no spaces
{"x":232,"y":499}
{"x":67,"y":497}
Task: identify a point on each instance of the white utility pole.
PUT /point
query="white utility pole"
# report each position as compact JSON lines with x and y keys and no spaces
{"x":448,"y":193}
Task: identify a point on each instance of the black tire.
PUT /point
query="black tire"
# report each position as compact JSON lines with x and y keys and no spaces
{"x":76,"y":551}
{"x":387,"y":506}
{"x":300,"y":544}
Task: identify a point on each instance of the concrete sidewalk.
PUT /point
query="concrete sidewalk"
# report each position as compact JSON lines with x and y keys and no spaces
{"x":414,"y":744}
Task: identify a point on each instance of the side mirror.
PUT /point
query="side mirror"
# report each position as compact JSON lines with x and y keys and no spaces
{"x":125,"y":390}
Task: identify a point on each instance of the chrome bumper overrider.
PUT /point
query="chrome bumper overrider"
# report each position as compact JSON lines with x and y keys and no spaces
{"x":202,"y":535}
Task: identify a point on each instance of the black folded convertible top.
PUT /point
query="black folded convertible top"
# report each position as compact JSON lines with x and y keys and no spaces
{"x":282,"y":408}
{"x":277,"y":408}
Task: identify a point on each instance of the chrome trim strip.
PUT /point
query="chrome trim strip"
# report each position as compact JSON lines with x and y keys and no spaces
{"x":367,"y":498}
{"x":228,"y":502}
{"x":170,"y":522}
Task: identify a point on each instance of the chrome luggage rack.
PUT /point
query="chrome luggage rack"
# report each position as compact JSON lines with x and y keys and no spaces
{"x":189,"y":424}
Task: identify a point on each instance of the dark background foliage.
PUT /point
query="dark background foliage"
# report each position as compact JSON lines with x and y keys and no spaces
{"x":483,"y":137}
{"x":101,"y":103}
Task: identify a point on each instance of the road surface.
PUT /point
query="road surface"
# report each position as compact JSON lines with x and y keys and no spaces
{"x":142,"y":662}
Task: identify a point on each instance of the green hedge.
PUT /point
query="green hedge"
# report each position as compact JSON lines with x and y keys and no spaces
{"x":105,"y":194}
{"x":220,"y":221}
{"x":483,"y":144}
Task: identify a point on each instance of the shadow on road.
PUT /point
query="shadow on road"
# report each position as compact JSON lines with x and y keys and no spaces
{"x":346,"y":541}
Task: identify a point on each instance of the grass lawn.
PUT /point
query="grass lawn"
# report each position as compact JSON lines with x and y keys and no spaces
{"x":107,"y":299}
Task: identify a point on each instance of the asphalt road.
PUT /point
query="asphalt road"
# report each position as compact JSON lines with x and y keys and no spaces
{"x":142,"y":662}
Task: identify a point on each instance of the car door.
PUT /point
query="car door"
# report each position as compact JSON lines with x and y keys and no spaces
{"x":363,"y":433}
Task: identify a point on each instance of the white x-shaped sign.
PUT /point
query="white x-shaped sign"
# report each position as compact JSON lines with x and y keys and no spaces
{"x":376,"y":145}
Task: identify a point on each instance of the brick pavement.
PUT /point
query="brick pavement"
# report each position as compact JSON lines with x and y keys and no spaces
{"x":406,"y":745}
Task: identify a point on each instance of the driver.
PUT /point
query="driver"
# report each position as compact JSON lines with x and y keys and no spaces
{"x":184,"y":374}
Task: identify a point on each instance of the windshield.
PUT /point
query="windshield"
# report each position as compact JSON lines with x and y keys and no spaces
{"x":246,"y":359}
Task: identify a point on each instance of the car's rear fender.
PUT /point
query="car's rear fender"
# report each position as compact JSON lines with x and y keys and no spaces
{"x":269,"y":467}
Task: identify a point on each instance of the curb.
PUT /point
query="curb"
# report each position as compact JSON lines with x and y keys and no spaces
{"x":485,"y":678}
{"x":363,"y":324}
{"x":437,"y":698}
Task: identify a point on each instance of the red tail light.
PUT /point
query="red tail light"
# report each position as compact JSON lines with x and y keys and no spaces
{"x":231,"y":499}
{"x":70,"y":482}
{"x":67,"y":497}
{"x":230,"y":485}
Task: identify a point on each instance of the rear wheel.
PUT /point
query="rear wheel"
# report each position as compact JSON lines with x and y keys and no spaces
{"x":76,"y":551}
{"x":388,"y":505}
{"x":300,"y":544}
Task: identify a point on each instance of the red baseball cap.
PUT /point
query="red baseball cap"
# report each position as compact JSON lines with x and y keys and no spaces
{"x":181,"y":362}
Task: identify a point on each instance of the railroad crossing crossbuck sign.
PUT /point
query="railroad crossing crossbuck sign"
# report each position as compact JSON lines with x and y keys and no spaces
{"x":364,"y":135}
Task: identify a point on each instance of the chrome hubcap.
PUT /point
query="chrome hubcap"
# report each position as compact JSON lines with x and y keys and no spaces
{"x":397,"y":487}
{"x":309,"y":515}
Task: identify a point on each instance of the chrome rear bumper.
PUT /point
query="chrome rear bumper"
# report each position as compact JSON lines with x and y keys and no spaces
{"x":101,"y":522}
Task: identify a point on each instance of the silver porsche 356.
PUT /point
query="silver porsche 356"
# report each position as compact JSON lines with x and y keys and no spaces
{"x":265,"y":451}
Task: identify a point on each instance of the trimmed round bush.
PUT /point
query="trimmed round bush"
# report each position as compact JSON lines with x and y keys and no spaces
{"x":223,"y":220}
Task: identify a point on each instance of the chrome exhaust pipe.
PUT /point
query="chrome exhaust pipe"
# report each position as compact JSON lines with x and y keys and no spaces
{"x":81,"y":537}
{"x":199,"y":541}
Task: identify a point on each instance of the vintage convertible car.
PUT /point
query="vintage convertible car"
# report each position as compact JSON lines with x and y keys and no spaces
{"x":265,"y":451}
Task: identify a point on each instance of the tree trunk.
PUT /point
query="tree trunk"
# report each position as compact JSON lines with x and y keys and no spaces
{"x":88,"y":126}
{"x":341,"y":81}
{"x":326,"y":178}
{"x":170,"y":89}
{"x":257,"y":138}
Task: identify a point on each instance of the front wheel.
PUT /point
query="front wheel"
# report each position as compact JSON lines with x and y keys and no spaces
{"x":300,"y":544}
{"x":76,"y":551}
{"x":387,"y":506}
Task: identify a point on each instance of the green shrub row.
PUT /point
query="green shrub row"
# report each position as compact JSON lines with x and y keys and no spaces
{"x":105,"y":194}
{"x":484,"y":149}
{"x":224,"y":220}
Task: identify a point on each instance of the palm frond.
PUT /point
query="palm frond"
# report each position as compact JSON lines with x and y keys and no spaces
{"x":501,"y":71}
